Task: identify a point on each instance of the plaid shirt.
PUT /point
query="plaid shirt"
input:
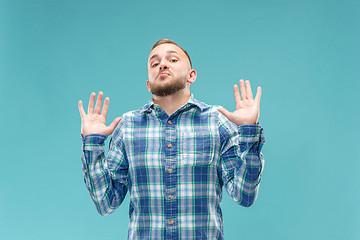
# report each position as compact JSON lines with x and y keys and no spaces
{"x":174,"y":168}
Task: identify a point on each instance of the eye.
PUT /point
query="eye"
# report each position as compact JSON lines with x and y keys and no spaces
{"x":173,"y":60}
{"x":154,"y":64}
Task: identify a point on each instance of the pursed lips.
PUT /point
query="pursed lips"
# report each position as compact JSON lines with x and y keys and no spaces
{"x":163,"y":74}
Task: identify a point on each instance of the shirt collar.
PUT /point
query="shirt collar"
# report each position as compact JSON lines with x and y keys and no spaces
{"x":191,"y":102}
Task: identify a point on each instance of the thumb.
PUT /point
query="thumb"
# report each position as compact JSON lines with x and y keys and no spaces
{"x":113,"y":125}
{"x":225,"y":112}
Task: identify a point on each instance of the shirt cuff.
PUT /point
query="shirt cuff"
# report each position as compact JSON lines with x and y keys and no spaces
{"x":250,"y":130}
{"x":93,"y":142}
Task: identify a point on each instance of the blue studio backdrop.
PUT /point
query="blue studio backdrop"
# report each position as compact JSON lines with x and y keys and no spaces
{"x":304,"y":55}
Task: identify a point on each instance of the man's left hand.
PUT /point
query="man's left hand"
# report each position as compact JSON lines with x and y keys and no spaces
{"x":247,"y":109}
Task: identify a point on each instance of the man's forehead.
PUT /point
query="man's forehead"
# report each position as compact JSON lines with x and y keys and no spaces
{"x":166,"y":48}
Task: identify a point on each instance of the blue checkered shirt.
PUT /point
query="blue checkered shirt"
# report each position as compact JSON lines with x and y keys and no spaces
{"x":174,"y":168}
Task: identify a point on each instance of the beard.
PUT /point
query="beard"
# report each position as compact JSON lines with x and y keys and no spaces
{"x":168,"y":88}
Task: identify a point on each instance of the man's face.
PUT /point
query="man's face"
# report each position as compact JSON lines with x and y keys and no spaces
{"x":168,"y":70}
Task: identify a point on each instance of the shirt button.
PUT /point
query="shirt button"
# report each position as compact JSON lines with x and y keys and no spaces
{"x":85,"y":171}
{"x":169,"y":145}
{"x":169,"y":122}
{"x":171,"y":197}
{"x":170,"y":170}
{"x":171,"y":222}
{"x":155,"y":107}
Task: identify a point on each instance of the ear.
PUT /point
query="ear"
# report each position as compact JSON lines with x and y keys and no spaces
{"x":148,"y":86}
{"x":192,"y":76}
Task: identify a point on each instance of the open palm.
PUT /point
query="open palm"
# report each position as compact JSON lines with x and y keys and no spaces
{"x":94,"y":121}
{"x":247,"y":109}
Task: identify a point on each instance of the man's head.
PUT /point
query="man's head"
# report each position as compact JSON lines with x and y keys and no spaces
{"x":169,"y":69}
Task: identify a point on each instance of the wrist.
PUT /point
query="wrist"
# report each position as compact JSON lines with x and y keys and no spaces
{"x":252,"y":123}
{"x":248,"y":123}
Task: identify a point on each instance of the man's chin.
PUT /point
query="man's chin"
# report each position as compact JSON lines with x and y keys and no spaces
{"x":164,"y":86}
{"x":163,"y":78}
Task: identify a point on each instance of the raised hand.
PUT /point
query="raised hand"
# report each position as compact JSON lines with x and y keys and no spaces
{"x":93,"y":121}
{"x":247,"y":109}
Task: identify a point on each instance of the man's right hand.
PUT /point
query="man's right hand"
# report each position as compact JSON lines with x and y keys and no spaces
{"x":93,"y":121}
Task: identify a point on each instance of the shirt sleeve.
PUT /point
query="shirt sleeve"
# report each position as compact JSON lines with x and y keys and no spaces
{"x":241,"y":160}
{"x":106,"y":177}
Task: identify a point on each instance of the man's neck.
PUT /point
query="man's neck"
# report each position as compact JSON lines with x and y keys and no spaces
{"x":172,"y":102}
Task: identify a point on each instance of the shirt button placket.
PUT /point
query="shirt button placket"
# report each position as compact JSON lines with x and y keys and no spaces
{"x":171,"y":204}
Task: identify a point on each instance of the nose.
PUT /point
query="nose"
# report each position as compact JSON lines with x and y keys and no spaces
{"x":163,"y":65}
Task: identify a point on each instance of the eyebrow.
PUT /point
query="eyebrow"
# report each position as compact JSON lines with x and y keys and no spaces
{"x":169,"y":51}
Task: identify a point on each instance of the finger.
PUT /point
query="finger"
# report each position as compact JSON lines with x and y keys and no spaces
{"x":225,"y":112}
{"x":91,"y":103}
{"x":81,"y":109}
{"x":105,"y":107}
{"x":237,"y":95}
{"x":248,"y":90}
{"x":113,"y":125}
{"x":258,"y":95}
{"x":98,"y":103}
{"x":242,"y":89}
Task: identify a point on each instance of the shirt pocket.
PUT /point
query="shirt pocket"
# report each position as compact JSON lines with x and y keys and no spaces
{"x":197,"y":148}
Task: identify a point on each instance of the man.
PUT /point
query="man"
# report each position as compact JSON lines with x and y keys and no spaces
{"x":174,"y":154}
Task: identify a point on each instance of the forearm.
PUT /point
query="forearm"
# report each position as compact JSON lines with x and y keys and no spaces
{"x":106,"y":193}
{"x":242,"y":180}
